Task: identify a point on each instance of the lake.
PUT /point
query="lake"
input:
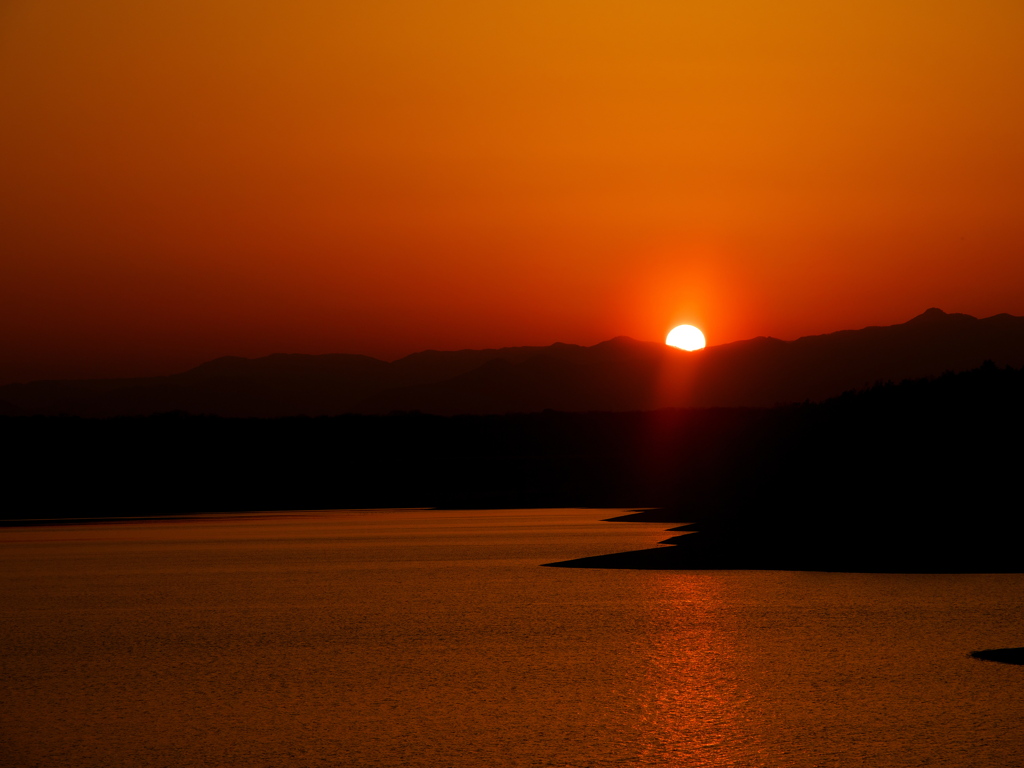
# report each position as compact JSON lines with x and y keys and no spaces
{"x":435,"y":639}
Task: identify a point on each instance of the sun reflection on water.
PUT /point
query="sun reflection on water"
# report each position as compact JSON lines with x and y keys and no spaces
{"x":694,"y":707}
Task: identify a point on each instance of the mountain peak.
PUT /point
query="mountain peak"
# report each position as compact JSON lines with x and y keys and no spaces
{"x":936,"y":315}
{"x":930,"y":316}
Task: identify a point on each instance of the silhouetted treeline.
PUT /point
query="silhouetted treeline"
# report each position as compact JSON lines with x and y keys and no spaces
{"x":951,"y":443}
{"x":943,"y":451}
{"x":175,"y":463}
{"x":923,"y":476}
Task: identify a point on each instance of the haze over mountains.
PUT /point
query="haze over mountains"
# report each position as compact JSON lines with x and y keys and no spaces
{"x":617,"y":375}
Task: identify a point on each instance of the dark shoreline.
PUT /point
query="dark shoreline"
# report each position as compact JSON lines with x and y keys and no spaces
{"x":919,"y":477}
{"x":691,"y":550}
{"x":195,"y":517}
{"x":75,"y":521}
{"x":1001,"y":655}
{"x":729,"y":545}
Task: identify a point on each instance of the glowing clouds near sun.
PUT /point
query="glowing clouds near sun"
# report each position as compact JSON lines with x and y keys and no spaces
{"x":686,"y":337}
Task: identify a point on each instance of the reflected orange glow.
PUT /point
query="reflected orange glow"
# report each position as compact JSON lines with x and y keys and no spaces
{"x":694,"y":697}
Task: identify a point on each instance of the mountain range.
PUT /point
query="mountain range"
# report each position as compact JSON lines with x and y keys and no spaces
{"x":621,"y":374}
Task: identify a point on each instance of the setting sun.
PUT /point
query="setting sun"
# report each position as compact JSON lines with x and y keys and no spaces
{"x":686,"y":337}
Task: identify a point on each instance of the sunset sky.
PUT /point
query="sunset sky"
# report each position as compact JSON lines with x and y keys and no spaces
{"x":183,"y":180}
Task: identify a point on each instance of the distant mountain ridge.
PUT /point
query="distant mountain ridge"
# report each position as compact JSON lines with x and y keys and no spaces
{"x":621,"y":374}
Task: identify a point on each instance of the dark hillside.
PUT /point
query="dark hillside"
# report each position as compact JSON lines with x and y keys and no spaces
{"x":924,"y":473}
{"x":920,"y":476}
{"x":619,"y":375}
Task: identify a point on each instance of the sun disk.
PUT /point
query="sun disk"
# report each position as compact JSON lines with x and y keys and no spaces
{"x":686,"y":337}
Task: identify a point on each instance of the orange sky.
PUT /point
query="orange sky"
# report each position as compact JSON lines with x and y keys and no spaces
{"x":181,"y":180}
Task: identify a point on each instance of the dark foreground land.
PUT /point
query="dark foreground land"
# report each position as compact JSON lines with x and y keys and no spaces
{"x":1002,"y":655}
{"x":920,"y":476}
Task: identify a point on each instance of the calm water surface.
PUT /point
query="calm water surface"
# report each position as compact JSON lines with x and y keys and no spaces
{"x":434,"y":639}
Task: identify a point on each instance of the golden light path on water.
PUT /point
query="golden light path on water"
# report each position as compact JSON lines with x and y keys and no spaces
{"x":693,"y":695}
